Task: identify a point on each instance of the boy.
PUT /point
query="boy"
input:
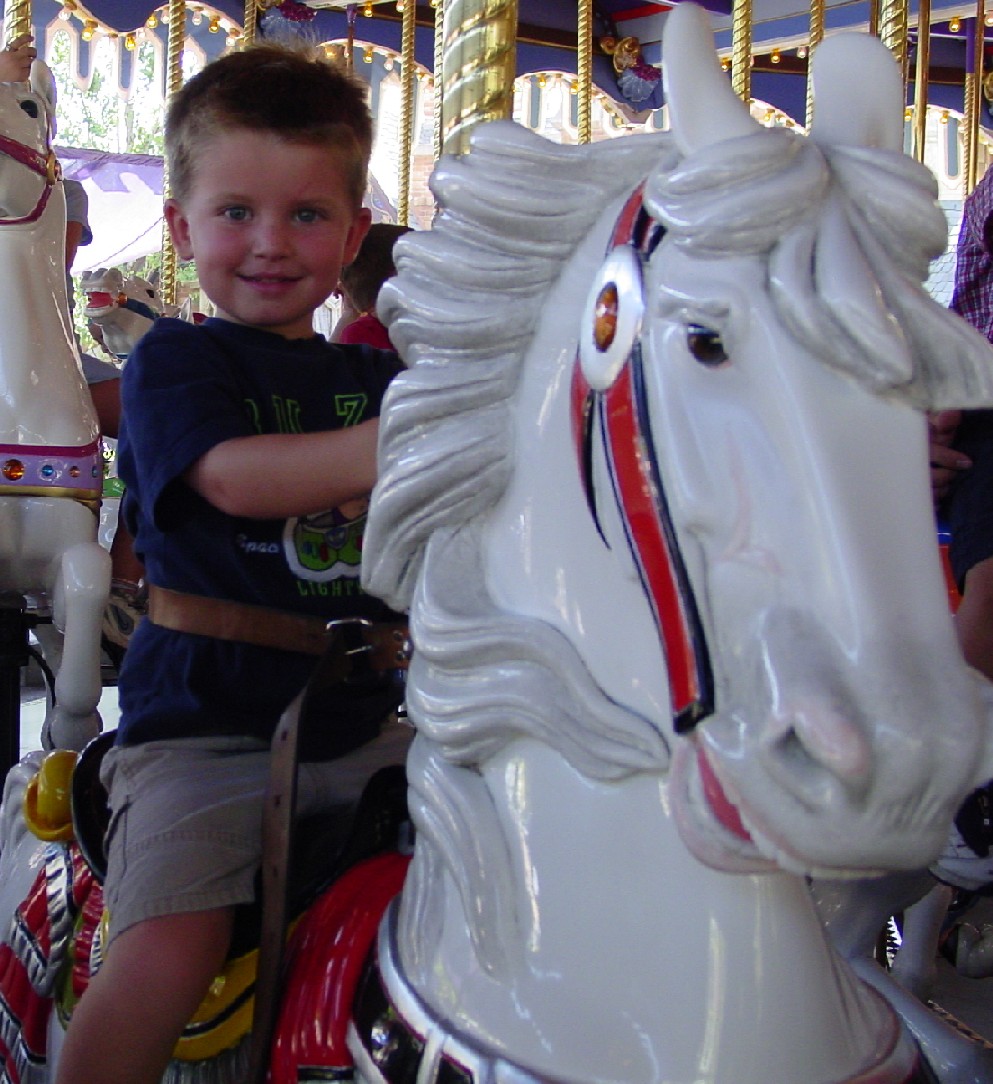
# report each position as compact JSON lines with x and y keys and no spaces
{"x":239,"y":435}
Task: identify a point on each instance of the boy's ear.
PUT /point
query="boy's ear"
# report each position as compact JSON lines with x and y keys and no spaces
{"x":356,"y":235}
{"x":179,"y":229}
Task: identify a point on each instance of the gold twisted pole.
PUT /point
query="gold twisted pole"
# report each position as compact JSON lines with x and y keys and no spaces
{"x":741,"y":49}
{"x":174,"y":80}
{"x":973,"y":96}
{"x":921,"y":66}
{"x":478,"y":67}
{"x":407,"y":85}
{"x":16,"y":18}
{"x":439,"y":52}
{"x":816,"y":37}
{"x":251,"y":23}
{"x":584,"y":70}
{"x":893,"y":33}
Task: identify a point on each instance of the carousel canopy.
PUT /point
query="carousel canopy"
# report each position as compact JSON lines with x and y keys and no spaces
{"x":547,"y":34}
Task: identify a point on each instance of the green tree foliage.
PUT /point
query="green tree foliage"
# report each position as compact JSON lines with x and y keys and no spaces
{"x":93,"y":115}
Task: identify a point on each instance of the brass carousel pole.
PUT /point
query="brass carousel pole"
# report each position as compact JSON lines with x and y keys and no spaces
{"x":973,"y":94}
{"x":350,"y":12}
{"x":478,"y":67}
{"x":921,"y":66}
{"x":893,"y":33}
{"x":741,"y":49}
{"x":816,"y":37}
{"x":584,"y":70}
{"x":174,"y":80}
{"x":251,"y":23}
{"x":407,"y":84}
{"x":874,"y":17}
{"x":16,"y":18}
{"x":439,"y":52}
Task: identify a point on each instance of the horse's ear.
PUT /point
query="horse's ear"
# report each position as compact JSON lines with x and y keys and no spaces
{"x":703,"y":109}
{"x":858,"y":93}
{"x":43,"y":84}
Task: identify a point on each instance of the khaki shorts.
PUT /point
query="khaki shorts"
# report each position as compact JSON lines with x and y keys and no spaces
{"x":185,"y":829}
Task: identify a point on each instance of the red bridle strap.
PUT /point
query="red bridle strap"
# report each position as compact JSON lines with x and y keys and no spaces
{"x":45,"y":165}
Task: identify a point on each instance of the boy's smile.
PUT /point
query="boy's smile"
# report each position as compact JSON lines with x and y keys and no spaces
{"x":269,"y":232}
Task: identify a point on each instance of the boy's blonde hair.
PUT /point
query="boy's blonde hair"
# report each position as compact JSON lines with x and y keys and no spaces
{"x":292,"y":91}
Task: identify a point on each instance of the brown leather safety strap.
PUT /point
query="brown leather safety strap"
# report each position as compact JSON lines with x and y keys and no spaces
{"x":346,"y":643}
{"x":385,"y":644}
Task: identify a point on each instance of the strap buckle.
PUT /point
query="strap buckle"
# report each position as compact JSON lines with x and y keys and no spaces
{"x":355,"y":643}
{"x":382,"y":647}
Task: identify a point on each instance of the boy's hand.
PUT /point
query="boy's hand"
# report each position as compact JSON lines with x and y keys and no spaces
{"x":16,"y":60}
{"x":946,"y":462}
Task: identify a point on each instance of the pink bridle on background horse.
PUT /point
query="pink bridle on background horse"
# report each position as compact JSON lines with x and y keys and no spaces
{"x":655,"y":493}
{"x":51,"y":470}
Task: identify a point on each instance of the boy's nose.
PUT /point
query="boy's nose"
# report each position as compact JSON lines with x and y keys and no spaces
{"x":269,"y":238}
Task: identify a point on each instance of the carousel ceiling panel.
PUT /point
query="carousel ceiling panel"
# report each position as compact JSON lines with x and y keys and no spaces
{"x":547,"y":37}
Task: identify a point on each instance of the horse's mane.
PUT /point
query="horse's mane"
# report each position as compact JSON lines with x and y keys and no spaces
{"x":471,"y":291}
{"x":849,"y":234}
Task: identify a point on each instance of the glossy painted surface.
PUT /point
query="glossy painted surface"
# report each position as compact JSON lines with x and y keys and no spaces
{"x":596,"y":896}
{"x":48,"y":547}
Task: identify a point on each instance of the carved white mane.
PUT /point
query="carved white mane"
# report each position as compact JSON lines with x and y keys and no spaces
{"x":473,"y":288}
{"x":867,"y":313}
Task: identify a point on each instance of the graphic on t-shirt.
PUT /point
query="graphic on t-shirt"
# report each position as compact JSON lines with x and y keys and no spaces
{"x":327,"y":545}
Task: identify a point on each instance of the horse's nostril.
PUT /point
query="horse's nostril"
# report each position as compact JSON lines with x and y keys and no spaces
{"x":820,"y":748}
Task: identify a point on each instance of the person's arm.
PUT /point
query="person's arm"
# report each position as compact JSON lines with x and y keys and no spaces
{"x":106,"y":396}
{"x":974,"y":619}
{"x":16,"y":60}
{"x":270,"y":476}
{"x":946,"y":462}
{"x":74,"y":235}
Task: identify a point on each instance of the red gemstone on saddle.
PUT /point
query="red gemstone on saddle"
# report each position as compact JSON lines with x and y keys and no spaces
{"x":13,"y":470}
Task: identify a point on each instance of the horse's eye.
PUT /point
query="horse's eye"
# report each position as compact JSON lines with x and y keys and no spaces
{"x":706,"y":345}
{"x":29,"y":107}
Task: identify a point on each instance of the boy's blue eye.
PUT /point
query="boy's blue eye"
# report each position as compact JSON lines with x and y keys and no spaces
{"x":308,"y":214}
{"x":235,"y":214}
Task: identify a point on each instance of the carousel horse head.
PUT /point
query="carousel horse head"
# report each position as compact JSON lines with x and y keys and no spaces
{"x":661,"y":440}
{"x":123,"y":309}
{"x":25,"y":112}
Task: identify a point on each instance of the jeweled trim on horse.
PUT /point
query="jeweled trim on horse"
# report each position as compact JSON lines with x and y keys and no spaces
{"x":30,"y":470}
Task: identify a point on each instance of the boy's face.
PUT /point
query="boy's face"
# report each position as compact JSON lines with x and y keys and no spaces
{"x":270,"y":225}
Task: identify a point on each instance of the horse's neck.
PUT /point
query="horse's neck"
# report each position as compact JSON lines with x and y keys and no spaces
{"x":623,"y":949}
{"x":123,"y":330}
{"x":43,"y":397}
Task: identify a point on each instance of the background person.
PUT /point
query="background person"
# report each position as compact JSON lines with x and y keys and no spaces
{"x":360,"y":284}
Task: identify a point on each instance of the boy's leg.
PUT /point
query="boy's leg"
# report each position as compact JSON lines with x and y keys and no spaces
{"x":153,"y":979}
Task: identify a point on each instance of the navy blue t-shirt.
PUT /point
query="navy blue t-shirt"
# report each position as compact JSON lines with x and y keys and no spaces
{"x":185,"y":389}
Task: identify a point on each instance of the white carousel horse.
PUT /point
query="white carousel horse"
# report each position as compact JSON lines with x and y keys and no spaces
{"x":50,"y":467}
{"x":123,"y":308}
{"x":655,"y":492}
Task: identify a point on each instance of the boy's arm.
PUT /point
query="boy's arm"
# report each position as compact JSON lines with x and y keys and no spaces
{"x":271,"y":476}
